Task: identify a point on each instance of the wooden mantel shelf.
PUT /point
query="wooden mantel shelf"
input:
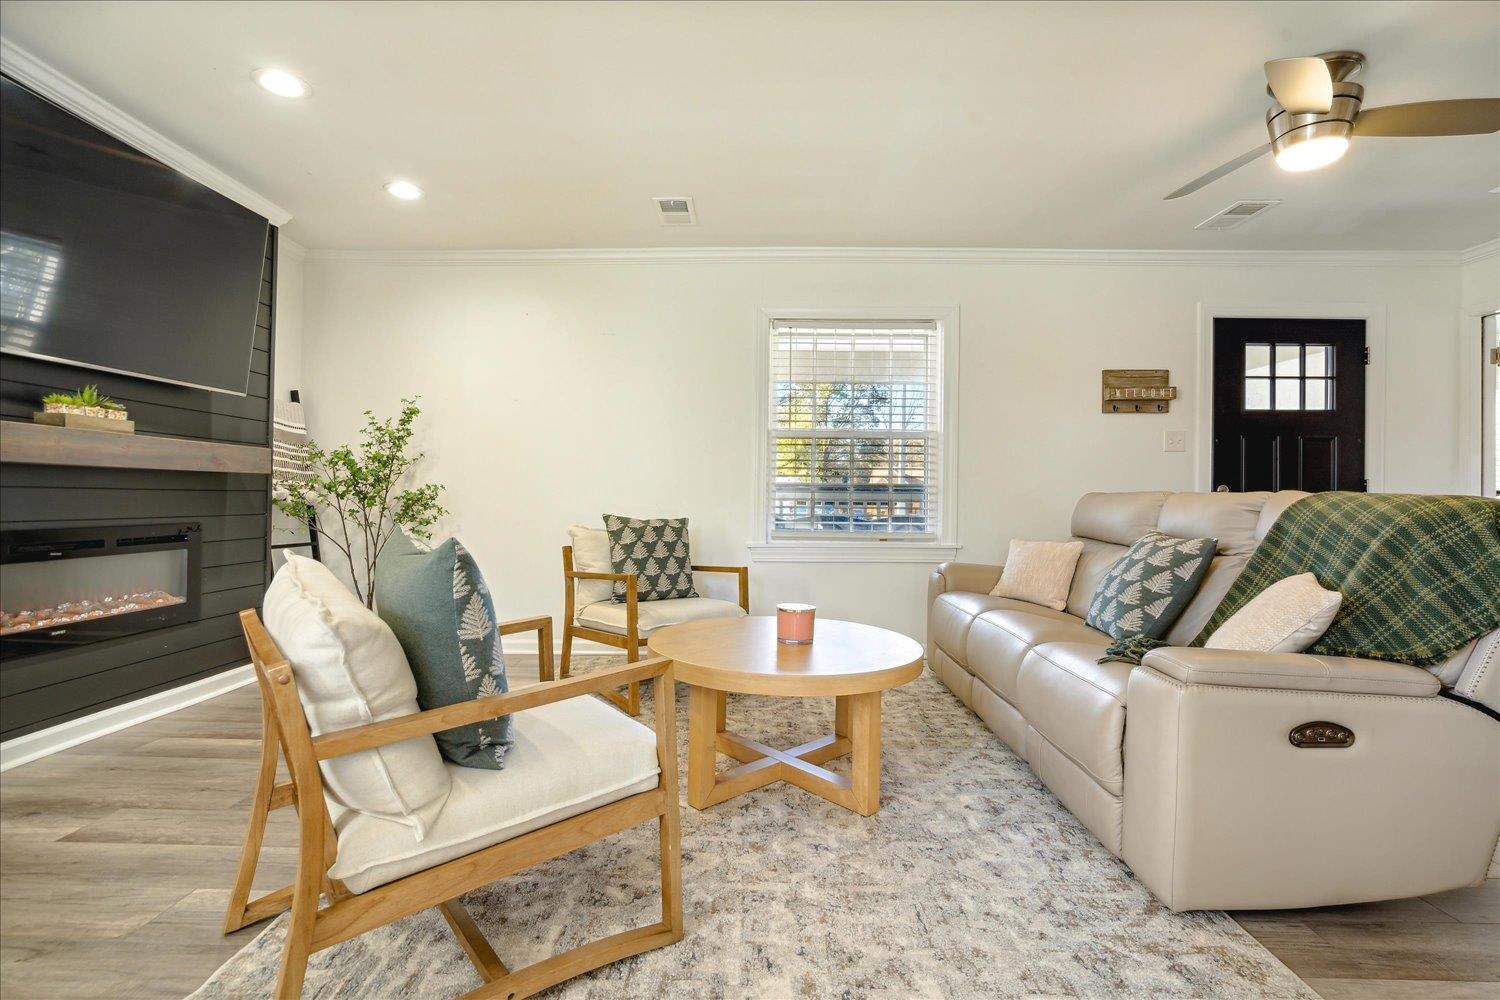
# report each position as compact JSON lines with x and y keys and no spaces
{"x":39,"y":444}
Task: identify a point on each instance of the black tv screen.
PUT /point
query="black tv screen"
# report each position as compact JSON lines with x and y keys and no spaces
{"x":112,"y":260}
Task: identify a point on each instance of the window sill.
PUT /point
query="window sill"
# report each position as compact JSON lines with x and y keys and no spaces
{"x":796,"y":551}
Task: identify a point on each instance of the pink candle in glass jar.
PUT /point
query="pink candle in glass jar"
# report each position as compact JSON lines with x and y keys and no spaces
{"x":794,"y":623}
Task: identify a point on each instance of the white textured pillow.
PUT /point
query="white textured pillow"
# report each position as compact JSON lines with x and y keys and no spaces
{"x":350,"y":671}
{"x":1039,"y":572}
{"x":1286,"y":617}
{"x":591,"y":555}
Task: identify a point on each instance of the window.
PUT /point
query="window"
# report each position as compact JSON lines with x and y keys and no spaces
{"x":1491,"y":434}
{"x":855,"y":442}
{"x":1289,"y":377}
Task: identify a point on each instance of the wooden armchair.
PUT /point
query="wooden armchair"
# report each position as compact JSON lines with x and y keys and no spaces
{"x":622,"y":626}
{"x":347,"y":914}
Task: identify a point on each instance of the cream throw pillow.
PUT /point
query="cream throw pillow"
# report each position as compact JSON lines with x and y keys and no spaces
{"x":1287,"y":617}
{"x":591,"y":555}
{"x":350,"y":671}
{"x":1039,"y":572}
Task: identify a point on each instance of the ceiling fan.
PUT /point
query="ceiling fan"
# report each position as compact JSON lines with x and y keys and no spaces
{"x":1316,"y":110}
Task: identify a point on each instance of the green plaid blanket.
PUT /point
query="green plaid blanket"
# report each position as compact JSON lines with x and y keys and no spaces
{"x":1420,"y":575}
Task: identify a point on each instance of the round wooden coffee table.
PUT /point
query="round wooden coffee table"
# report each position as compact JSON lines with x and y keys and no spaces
{"x":848,"y":662}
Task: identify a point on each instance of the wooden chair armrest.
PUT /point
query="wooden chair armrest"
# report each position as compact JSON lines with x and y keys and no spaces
{"x":542,"y":626}
{"x":574,"y":574}
{"x":437,"y":720}
{"x":743,"y":572}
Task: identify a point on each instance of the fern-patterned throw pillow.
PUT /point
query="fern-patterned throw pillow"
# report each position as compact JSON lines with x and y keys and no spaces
{"x":1147,"y":588}
{"x":440,"y":609}
{"x":656,"y":551}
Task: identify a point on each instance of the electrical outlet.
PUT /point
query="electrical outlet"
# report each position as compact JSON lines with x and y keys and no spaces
{"x":1174,"y":441}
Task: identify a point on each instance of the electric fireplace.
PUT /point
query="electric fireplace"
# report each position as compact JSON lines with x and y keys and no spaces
{"x":62,"y":587}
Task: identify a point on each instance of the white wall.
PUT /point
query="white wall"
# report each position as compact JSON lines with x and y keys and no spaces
{"x":290,"y":282}
{"x":1479,"y":284}
{"x":557,"y":391}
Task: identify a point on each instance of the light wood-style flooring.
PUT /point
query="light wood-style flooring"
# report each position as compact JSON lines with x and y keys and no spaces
{"x":116,"y":859}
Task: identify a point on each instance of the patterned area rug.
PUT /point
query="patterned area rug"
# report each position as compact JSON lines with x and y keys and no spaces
{"x":972,"y":881}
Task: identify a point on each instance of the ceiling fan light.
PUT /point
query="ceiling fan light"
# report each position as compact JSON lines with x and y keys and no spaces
{"x":1312,"y":153}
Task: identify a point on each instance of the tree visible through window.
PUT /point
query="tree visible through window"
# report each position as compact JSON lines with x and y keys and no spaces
{"x":855,"y":433}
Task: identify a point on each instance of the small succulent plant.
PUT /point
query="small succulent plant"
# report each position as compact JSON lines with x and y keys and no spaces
{"x":89,"y":395}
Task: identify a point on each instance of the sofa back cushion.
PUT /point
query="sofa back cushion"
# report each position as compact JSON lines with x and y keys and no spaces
{"x":1096,"y":560}
{"x":1118,"y":518}
{"x":1232,"y":518}
{"x":1275,"y":504}
{"x":1222,"y":572}
{"x":350,"y":671}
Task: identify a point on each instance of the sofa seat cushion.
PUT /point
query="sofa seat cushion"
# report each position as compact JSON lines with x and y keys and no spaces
{"x":607,"y":616}
{"x":568,"y":757}
{"x":999,"y":640}
{"x":1078,"y":704}
{"x":953,"y":614}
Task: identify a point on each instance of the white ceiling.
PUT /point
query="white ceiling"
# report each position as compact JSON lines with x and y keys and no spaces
{"x":811,"y":124}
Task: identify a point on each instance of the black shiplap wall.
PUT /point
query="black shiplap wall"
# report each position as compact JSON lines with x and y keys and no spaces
{"x":39,"y":691}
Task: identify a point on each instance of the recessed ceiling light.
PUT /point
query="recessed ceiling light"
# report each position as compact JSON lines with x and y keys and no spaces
{"x":281,"y":83}
{"x":405,"y":190}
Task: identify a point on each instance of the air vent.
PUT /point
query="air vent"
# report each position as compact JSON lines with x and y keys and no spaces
{"x":1237,"y":214}
{"x":677,"y":211}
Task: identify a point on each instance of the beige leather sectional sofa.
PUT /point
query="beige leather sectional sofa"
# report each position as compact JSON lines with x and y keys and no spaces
{"x":1184,"y":766}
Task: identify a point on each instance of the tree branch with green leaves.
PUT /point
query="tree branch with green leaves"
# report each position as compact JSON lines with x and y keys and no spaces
{"x":362,"y":490}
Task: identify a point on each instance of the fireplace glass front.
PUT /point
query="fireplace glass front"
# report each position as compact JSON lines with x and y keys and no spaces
{"x":62,"y":587}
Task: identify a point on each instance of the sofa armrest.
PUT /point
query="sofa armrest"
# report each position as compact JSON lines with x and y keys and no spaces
{"x":1290,"y":672}
{"x":977,"y":578}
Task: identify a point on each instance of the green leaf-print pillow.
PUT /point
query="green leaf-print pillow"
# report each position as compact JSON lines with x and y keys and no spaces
{"x":656,"y":551}
{"x":440,"y":609}
{"x":1147,"y":588}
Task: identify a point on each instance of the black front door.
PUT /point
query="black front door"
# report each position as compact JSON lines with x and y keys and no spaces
{"x":1289,"y":404}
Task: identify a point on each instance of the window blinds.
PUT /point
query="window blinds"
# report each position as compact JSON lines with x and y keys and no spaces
{"x":855,"y":428}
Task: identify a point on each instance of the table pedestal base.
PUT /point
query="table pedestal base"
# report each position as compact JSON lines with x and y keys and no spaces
{"x":856,"y":734}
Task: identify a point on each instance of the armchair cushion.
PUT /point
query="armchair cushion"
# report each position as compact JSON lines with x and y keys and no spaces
{"x":591,"y":555}
{"x":656,"y":551}
{"x":569,"y":757}
{"x":350,"y":672}
{"x":438,"y":606}
{"x":608,"y":616}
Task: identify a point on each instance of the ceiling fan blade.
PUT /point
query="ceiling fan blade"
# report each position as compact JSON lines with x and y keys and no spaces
{"x":1220,"y":171}
{"x":1302,"y":85}
{"x":1477,"y":116}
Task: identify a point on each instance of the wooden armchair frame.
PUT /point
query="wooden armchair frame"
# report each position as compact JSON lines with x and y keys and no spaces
{"x":347,"y":915}
{"x":631,"y":642}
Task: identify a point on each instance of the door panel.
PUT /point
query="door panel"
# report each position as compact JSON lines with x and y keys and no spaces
{"x":1289,"y":404}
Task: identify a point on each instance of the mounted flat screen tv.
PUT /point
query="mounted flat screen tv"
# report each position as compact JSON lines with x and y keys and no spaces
{"x":112,"y":260}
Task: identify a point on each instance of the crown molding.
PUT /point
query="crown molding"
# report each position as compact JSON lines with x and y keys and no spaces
{"x":62,"y":90}
{"x":672,"y":255}
{"x":1482,"y":251}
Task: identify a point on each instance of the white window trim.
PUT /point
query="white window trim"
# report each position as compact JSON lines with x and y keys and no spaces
{"x":765,"y":549}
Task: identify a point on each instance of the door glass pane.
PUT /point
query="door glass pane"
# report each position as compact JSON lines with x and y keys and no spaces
{"x":1257,"y":394}
{"x":1287,"y":396}
{"x":1288,"y":360}
{"x":1257,"y":359}
{"x":1319,"y":360}
{"x":1317,"y":395}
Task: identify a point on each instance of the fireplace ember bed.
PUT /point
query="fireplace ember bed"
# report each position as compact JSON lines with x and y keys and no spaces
{"x":62,"y":587}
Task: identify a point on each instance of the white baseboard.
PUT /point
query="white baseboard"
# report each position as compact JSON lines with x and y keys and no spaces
{"x":525,"y":646}
{"x":24,"y":749}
